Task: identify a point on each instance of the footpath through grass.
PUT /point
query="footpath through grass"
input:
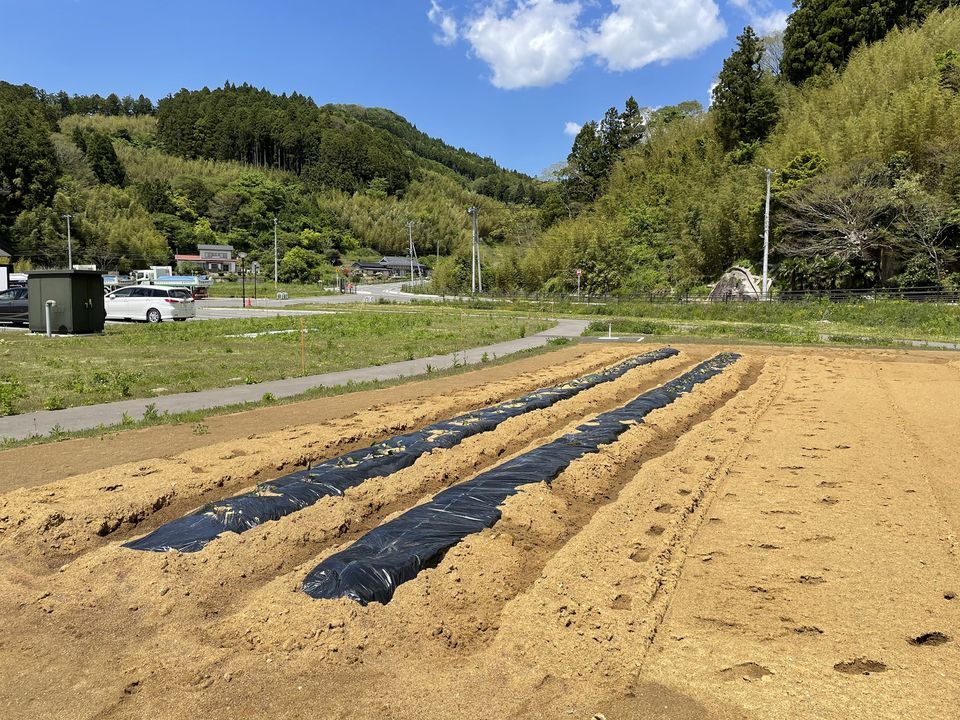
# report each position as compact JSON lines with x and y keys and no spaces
{"x":142,"y":361}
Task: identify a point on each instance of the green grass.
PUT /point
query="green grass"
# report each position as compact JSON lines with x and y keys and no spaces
{"x":142,"y":361}
{"x":197,"y":417}
{"x":800,"y":323}
{"x":883,"y":321}
{"x":265,"y":289}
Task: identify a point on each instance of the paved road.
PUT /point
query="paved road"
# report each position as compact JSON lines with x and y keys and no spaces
{"x":90,"y":416}
{"x":366,"y":293}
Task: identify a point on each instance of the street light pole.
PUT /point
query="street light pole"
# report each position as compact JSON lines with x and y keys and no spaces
{"x":69,"y":243}
{"x":766,"y":238}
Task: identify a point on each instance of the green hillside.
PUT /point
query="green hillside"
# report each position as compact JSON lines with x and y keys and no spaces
{"x":866,"y":188}
{"x":218,"y":166}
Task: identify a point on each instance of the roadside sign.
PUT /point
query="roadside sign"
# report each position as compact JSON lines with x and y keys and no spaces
{"x":579,"y":272}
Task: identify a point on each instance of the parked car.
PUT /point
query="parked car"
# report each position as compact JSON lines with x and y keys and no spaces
{"x":151,"y":303}
{"x":13,"y":306}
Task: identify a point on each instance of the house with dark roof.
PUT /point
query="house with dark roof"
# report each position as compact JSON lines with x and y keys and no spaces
{"x":212,"y":258}
{"x":391,"y":266}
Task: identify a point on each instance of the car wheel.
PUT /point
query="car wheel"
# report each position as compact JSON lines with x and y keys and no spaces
{"x":154,"y":316}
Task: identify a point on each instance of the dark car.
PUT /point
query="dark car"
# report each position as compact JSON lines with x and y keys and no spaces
{"x":13,"y":306}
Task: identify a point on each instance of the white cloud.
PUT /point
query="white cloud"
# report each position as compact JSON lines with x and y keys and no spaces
{"x":448,"y":25}
{"x":763,"y":18}
{"x":535,"y":43}
{"x":770,"y":23}
{"x":640,"y":32}
{"x":539,"y":43}
{"x":572,"y":128}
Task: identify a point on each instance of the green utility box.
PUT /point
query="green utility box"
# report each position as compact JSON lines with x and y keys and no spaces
{"x":79,"y":300}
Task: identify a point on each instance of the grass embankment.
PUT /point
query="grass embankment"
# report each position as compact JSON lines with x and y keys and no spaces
{"x":142,"y":361}
{"x":796,"y":323}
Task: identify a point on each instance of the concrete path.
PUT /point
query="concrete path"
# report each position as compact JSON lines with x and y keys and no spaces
{"x":18,"y":427}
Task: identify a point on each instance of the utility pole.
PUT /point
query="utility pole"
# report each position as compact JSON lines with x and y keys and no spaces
{"x":69,"y":243}
{"x":275,"y":266}
{"x":766,"y":239}
{"x":475,"y":254}
{"x":410,"y":247}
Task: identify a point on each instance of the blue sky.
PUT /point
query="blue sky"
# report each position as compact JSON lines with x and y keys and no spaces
{"x":505,"y":78}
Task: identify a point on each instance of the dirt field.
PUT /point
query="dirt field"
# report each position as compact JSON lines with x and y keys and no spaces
{"x":779,"y":543}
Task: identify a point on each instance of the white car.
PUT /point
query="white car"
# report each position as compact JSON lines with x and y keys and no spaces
{"x":151,"y":303}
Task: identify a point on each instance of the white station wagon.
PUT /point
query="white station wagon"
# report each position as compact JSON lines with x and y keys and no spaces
{"x":150,"y":303}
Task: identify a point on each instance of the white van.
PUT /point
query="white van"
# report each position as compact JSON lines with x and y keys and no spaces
{"x":150,"y":303}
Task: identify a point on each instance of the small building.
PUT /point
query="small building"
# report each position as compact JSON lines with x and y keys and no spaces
{"x":4,"y":257}
{"x":211,"y":258}
{"x":391,"y":266}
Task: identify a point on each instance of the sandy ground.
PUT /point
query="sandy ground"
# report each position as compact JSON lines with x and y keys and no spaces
{"x":779,"y":543}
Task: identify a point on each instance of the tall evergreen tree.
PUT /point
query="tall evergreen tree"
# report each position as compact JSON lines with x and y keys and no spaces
{"x":587,"y":164}
{"x":744,"y":100}
{"x":28,"y":160}
{"x":633,"y":124}
{"x":103,"y":159}
{"x":821,"y":34}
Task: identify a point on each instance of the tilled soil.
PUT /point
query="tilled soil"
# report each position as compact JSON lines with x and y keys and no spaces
{"x":780,"y":542}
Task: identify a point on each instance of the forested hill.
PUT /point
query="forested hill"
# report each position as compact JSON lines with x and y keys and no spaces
{"x":344,"y":147}
{"x":218,"y":166}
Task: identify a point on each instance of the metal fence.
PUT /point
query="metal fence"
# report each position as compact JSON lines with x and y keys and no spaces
{"x":915,"y":294}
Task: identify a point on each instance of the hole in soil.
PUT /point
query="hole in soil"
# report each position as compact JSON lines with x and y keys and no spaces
{"x":641,"y":554}
{"x":622,"y":602}
{"x":930,"y":638}
{"x":860,"y":666}
{"x":664,"y":508}
{"x":655,"y":530}
{"x":949,"y":595}
{"x":744,"y":671}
